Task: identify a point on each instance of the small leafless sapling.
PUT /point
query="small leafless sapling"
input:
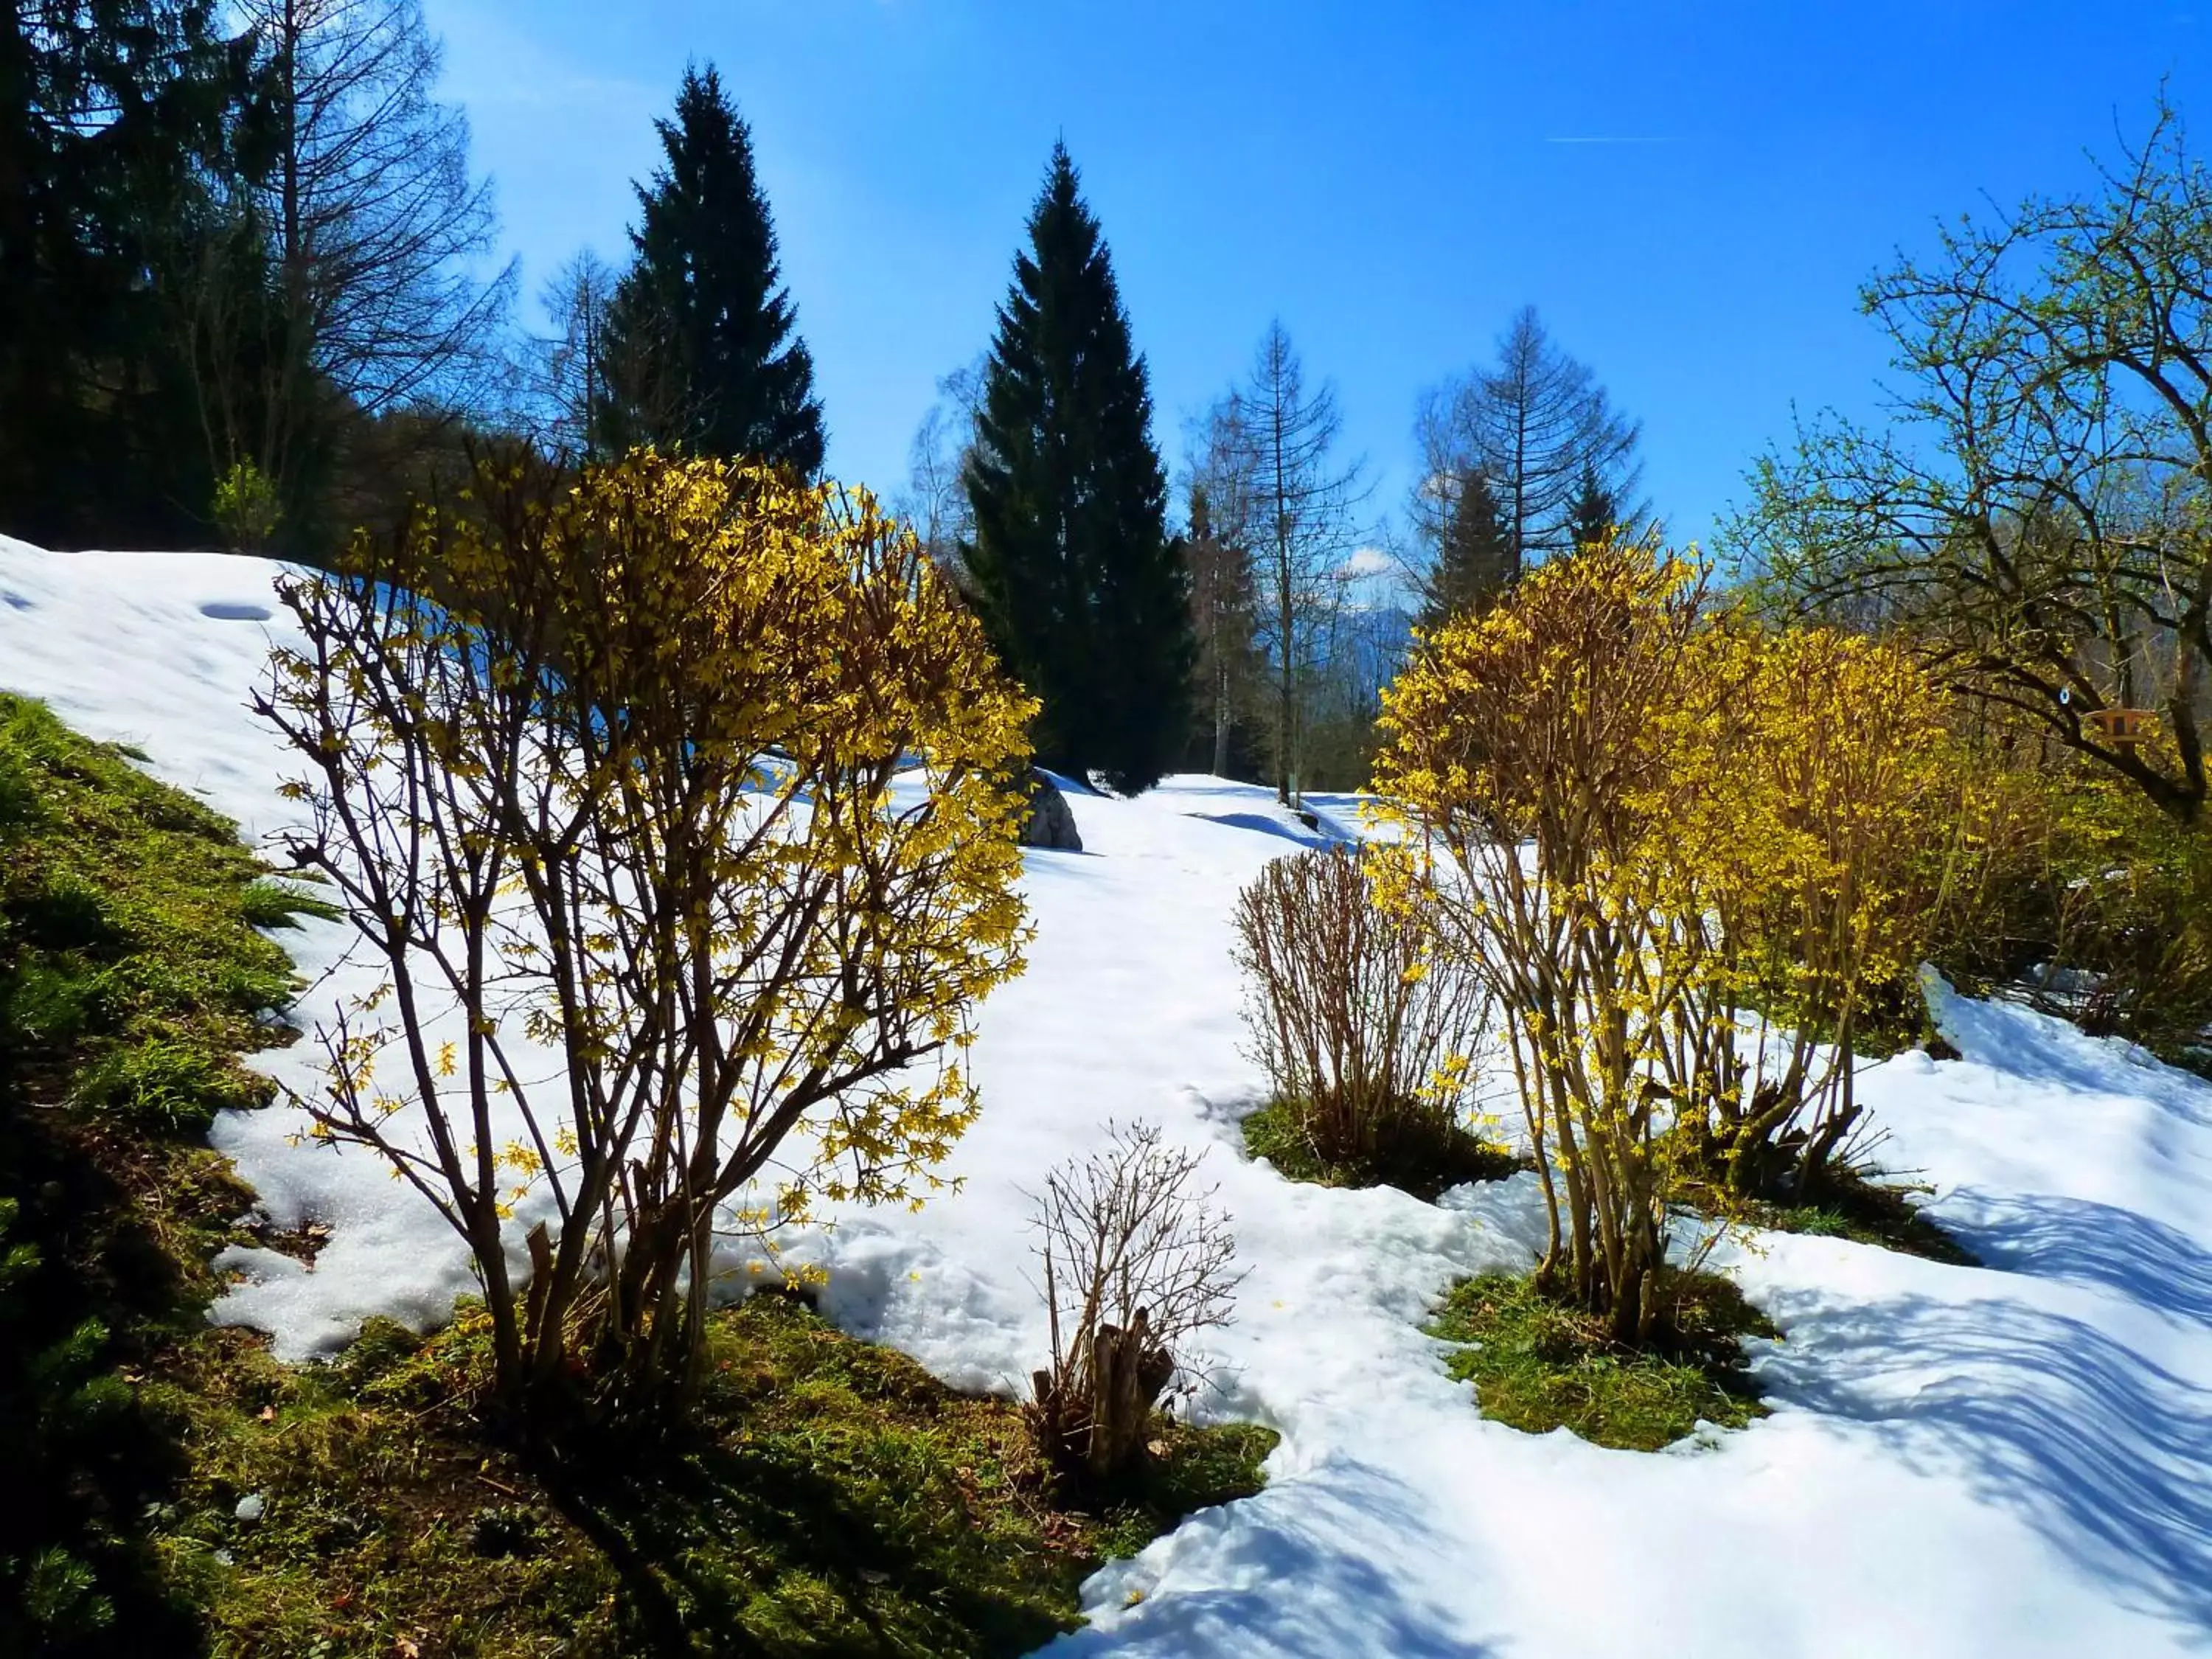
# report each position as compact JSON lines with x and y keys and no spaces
{"x":1365,"y":1028}
{"x":1137,"y":1260}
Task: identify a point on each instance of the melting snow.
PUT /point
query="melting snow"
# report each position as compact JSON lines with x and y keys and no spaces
{"x":2006,"y":1460}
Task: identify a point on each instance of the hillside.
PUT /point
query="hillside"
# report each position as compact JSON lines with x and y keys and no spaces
{"x":1960,"y":1461}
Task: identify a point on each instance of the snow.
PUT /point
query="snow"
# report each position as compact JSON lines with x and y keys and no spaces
{"x":2004,"y":1460}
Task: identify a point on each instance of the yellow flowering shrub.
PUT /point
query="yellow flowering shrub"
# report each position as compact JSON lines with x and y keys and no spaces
{"x":1697,"y":863}
{"x":703,"y":780}
{"x":1523,"y":749}
{"x":2094,"y":901}
{"x":1827,"y":844}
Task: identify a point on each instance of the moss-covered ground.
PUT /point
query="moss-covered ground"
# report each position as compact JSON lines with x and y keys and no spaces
{"x":1537,"y":1364}
{"x":834,"y":1499}
{"x":1424,"y":1160}
{"x":1865,"y":1209}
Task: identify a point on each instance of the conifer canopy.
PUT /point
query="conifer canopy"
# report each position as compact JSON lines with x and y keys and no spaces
{"x":703,"y":351}
{"x":1082,"y":590}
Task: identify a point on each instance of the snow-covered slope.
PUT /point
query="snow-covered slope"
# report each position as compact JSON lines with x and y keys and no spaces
{"x":2012,"y":1461}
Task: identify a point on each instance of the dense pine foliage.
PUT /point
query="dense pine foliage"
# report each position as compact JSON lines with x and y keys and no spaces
{"x":113,"y":115}
{"x":701,"y":350}
{"x":1084,"y":594}
{"x":1474,"y":563}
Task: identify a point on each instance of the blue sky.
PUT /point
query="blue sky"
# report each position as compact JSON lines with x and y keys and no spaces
{"x":1689,"y":194}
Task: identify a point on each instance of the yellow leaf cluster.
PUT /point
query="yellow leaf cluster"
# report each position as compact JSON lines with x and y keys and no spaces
{"x":699,"y":775}
{"x":1695,"y":858}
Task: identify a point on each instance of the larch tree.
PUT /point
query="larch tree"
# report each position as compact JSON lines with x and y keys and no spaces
{"x":1072,"y":570}
{"x":352,"y":279}
{"x":703,"y":352}
{"x":1283,"y":437}
{"x":571,"y":363}
{"x":1535,"y":423}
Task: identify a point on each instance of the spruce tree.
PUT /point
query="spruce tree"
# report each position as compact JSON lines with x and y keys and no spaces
{"x":115,"y":116}
{"x":1084,"y":595}
{"x":701,"y":348}
{"x":1595,"y":514}
{"x":1474,"y":556}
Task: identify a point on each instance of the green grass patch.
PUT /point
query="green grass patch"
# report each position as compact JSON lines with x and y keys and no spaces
{"x":836,"y":1500}
{"x":1426,"y":1161}
{"x":1537,"y":1364}
{"x":132,"y":978}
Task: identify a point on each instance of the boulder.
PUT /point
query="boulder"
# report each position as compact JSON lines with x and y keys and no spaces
{"x":1051,"y":822}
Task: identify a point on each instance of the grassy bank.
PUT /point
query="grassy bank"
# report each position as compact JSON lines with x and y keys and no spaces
{"x":836,"y":1499}
{"x":1425,"y":1163}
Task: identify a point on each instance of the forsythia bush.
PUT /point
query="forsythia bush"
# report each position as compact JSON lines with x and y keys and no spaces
{"x":1827,"y":844}
{"x":1523,"y":747}
{"x":1694,"y":862}
{"x":702,"y":780}
{"x":2092,"y":900}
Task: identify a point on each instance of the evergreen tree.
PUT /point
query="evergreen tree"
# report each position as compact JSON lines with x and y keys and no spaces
{"x":1084,"y":595}
{"x":1474,"y":556}
{"x":113,"y":118}
{"x":700,"y":348}
{"x":1595,"y":514}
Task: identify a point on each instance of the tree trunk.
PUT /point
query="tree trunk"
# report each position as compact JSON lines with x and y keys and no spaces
{"x":1127,"y":1371}
{"x":1220,"y":715}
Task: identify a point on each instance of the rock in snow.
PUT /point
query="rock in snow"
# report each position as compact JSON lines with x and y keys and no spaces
{"x":1051,"y":823}
{"x":1999,"y":1462}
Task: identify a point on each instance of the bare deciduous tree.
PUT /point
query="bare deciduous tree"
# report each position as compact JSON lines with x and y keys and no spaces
{"x":1277,"y":438}
{"x":1536,"y":426}
{"x":571,"y":363}
{"x":351,"y":271}
{"x":935,"y":498}
{"x":2040,"y":518}
{"x":375,"y":219}
{"x":1136,"y":1260}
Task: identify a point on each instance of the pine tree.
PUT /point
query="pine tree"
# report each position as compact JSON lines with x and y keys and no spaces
{"x":1474,"y":556}
{"x":1084,"y":595}
{"x":1595,"y":514}
{"x":701,"y":348}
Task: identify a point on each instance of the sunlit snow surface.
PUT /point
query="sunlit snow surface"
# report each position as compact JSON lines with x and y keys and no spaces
{"x":2002,"y":1461}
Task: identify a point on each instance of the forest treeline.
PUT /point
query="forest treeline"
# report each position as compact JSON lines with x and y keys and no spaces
{"x":253,"y":301}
